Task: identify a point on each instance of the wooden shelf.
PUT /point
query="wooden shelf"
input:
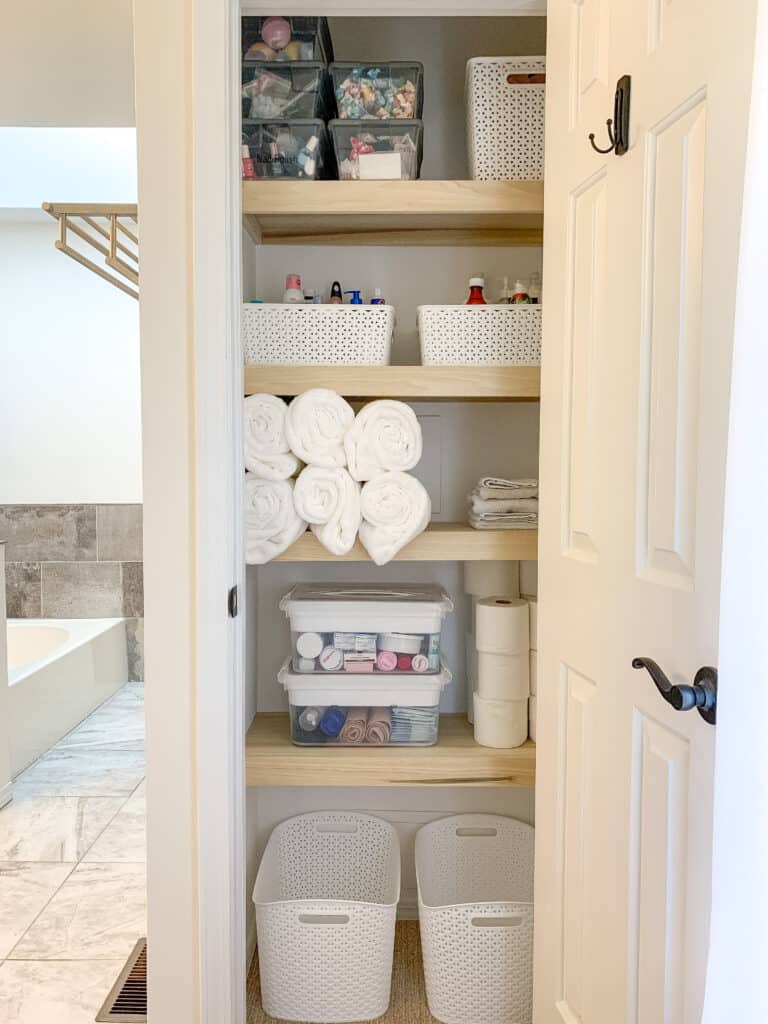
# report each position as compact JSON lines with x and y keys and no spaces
{"x":440,"y":542}
{"x":426,"y":383}
{"x":296,"y":212}
{"x":272,"y":760}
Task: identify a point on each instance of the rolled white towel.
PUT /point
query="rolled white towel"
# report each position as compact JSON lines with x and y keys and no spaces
{"x":396,"y":508}
{"x":267,"y":452}
{"x":329,"y":500}
{"x":272,"y":523}
{"x":385,"y":436}
{"x":315,"y":426}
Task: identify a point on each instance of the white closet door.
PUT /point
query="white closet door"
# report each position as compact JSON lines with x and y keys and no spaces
{"x":639,"y":282}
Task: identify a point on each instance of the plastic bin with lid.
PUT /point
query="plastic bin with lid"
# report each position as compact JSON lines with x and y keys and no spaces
{"x":377,"y":151}
{"x":337,"y":627}
{"x":286,"y":38}
{"x":363,"y":709}
{"x":288,"y":149}
{"x":282,"y":91}
{"x":378,"y":91}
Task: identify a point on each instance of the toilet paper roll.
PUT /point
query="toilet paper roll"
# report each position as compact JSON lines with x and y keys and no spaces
{"x":533,"y":672}
{"x":532,"y":718}
{"x":501,"y":723}
{"x":533,"y":619}
{"x":503,"y":676}
{"x":502,"y":625}
{"x":471,"y":656}
{"x":484,"y":579}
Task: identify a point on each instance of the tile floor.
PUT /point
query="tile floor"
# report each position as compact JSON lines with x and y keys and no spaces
{"x":73,"y":869}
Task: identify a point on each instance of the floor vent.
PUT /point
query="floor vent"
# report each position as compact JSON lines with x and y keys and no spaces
{"x":127,"y":1002}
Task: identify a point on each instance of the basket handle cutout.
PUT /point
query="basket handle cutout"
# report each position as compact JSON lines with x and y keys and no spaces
{"x":496,"y":922}
{"x":477,"y":832}
{"x":324,"y":918}
{"x":342,"y":829}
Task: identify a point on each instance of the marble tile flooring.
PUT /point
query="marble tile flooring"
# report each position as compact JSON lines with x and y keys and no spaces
{"x":73,"y":869}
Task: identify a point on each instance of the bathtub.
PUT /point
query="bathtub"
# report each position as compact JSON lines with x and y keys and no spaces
{"x":59,"y":670}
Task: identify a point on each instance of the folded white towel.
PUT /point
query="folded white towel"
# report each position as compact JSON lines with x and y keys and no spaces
{"x":480,"y":506}
{"x":329,"y":500}
{"x":396,"y":508}
{"x":267,"y":453}
{"x":500,"y":521}
{"x":385,"y":436}
{"x":271,"y":521}
{"x":498,"y":487}
{"x":315,"y":426}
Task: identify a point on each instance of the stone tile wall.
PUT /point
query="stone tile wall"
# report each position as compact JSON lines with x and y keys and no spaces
{"x":76,"y":562}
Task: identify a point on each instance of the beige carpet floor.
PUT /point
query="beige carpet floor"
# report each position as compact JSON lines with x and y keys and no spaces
{"x":408,"y":1004}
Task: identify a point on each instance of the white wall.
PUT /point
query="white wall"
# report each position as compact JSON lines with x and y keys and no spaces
{"x":70,"y":394}
{"x":67,"y":63}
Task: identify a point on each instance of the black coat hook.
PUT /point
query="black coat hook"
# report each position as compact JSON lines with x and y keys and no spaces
{"x":618,"y":125}
{"x":611,"y":137}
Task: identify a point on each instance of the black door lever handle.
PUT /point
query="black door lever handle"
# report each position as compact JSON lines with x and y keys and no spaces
{"x":702,"y":695}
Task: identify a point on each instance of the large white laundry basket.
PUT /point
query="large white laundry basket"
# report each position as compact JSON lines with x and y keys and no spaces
{"x":505,"y":118}
{"x":276,"y":333}
{"x":475,"y":882}
{"x":326,"y":897}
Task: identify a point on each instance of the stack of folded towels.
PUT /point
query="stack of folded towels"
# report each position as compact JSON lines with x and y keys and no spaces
{"x":355,"y":476}
{"x":498,"y":504}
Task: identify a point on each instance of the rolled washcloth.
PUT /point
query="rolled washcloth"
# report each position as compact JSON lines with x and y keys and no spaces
{"x":379,"y":727}
{"x":498,"y":487}
{"x":329,"y":500}
{"x":315,"y":426}
{"x":271,"y":521}
{"x":267,"y":453}
{"x":385,"y":436}
{"x":355,"y":726}
{"x":396,"y":508}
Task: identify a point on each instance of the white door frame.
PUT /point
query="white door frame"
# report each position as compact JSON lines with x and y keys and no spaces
{"x":187,"y":73}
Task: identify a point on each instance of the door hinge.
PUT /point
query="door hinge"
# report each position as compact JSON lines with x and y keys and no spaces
{"x":232,"y":602}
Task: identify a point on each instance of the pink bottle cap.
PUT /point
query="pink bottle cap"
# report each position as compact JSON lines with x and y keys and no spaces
{"x":293,"y":281}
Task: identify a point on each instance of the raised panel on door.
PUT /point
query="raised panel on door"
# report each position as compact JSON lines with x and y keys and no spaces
{"x":585,"y":337}
{"x":670,"y":344}
{"x":658,"y":859}
{"x":590,"y":50}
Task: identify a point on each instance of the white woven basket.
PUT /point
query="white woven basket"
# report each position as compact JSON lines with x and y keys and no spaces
{"x":296,"y":335}
{"x":497,"y":335}
{"x":326,"y":898}
{"x":505,"y":122}
{"x":475,"y":883}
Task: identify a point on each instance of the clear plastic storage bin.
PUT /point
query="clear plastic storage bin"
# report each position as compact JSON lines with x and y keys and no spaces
{"x":326,"y":900}
{"x":286,"y":38}
{"x":280,"y":91}
{"x":386,"y":150}
{"x":363,"y":710}
{"x":365,"y":629}
{"x":474,"y":875}
{"x":382,"y":91}
{"x":287,"y":149}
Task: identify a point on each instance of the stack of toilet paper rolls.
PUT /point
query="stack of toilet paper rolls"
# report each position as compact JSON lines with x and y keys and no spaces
{"x":533,"y":617}
{"x":484,"y":579}
{"x":502,"y":639}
